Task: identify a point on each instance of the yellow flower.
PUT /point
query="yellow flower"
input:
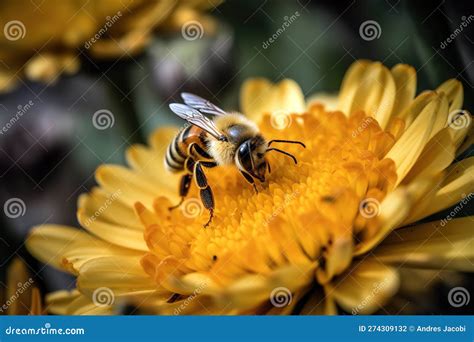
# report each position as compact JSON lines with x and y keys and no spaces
{"x":41,"y":41}
{"x":328,"y":231}
{"x":20,"y":297}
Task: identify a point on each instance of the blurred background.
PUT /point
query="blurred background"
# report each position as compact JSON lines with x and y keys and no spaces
{"x":80,"y":81}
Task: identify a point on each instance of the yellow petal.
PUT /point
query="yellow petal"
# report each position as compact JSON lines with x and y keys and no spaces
{"x":108,"y":208}
{"x":365,"y":288}
{"x":117,"y":234}
{"x":375,"y":94}
{"x":405,"y":81}
{"x":454,"y":92}
{"x":319,"y":304}
{"x":36,"y":307}
{"x":250,"y":290}
{"x":441,"y":244}
{"x":437,"y":155}
{"x":259,"y":96}
{"x":394,"y":209}
{"x":458,"y":184}
{"x":58,"y":302}
{"x":18,"y":279}
{"x":408,"y":148}
{"x":150,"y":162}
{"x":350,"y":84}
{"x":131,"y":185}
{"x":111,"y":279}
{"x":410,"y":113}
{"x":68,"y":248}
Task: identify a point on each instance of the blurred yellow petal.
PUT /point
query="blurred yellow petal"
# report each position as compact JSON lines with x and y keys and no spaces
{"x":408,"y":148}
{"x":458,"y":184}
{"x":365,"y":288}
{"x":437,"y":245}
{"x":405,"y":81}
{"x":454,"y":92}
{"x":259,"y":96}
{"x":350,"y":84}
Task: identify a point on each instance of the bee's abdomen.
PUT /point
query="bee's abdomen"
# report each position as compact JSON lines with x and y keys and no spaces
{"x":175,"y":156}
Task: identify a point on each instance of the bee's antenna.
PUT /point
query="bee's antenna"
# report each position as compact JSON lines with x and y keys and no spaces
{"x":286,"y":141}
{"x":283,"y":152}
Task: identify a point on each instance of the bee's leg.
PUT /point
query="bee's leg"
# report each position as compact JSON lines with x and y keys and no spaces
{"x":249,"y":179}
{"x":184,"y":186}
{"x":205,"y":190}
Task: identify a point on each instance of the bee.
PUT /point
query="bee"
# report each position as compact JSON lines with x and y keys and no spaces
{"x":229,"y":139}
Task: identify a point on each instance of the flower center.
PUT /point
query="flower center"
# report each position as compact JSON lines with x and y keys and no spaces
{"x":304,"y":213}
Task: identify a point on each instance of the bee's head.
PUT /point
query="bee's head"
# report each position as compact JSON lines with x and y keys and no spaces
{"x":250,"y":157}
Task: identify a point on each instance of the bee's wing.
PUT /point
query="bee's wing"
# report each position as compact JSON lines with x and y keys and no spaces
{"x":196,"y":118}
{"x":201,"y":104}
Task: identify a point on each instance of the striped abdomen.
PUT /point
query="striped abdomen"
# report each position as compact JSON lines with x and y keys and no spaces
{"x":189,"y":142}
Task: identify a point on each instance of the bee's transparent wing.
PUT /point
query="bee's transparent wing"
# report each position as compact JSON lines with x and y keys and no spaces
{"x":196,"y":118}
{"x":201,"y":104}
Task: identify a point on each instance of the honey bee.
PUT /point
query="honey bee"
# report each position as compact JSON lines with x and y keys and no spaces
{"x":228,"y":139}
